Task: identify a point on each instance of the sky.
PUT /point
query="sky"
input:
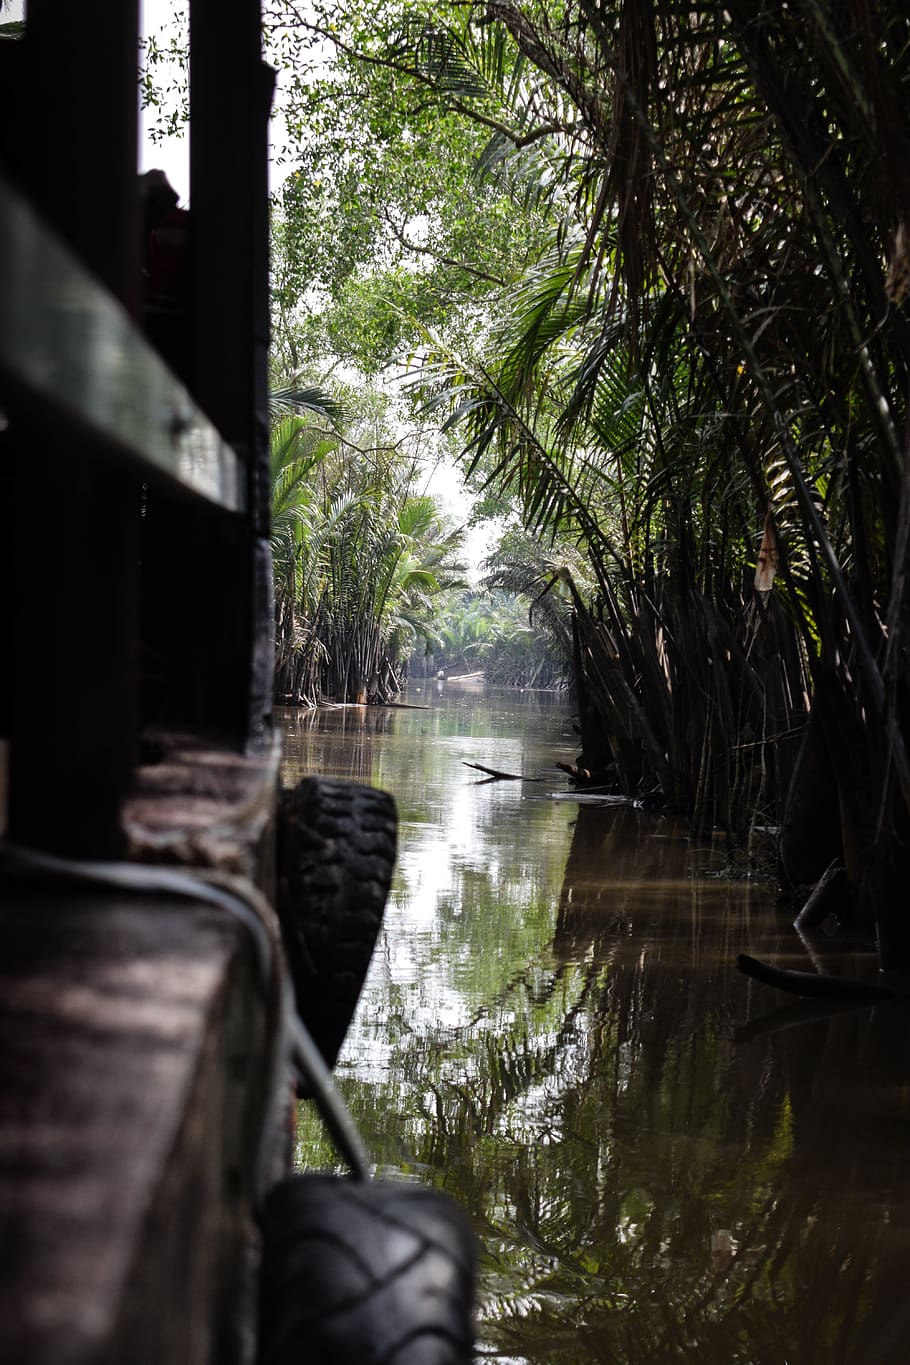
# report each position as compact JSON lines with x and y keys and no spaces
{"x":173,"y":155}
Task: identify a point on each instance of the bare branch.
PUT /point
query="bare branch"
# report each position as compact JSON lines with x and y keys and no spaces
{"x":451,"y":105}
{"x":443,"y":260}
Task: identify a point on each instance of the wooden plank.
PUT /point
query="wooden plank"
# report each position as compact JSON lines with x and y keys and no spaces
{"x":133,"y":1052}
{"x":230,"y":96}
{"x":80,"y":125}
{"x":70,"y":358}
{"x":73,"y":747}
{"x":74,"y":658}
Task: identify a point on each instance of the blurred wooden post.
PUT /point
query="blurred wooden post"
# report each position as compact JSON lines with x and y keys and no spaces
{"x":75,"y":527}
{"x":209,"y":579}
{"x":231,"y":93}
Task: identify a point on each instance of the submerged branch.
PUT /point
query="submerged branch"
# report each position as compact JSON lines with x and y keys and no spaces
{"x":469,"y":269}
{"x":810,"y":983}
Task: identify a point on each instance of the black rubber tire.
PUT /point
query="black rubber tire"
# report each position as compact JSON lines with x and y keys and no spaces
{"x":336,"y":853}
{"x":364,"y":1273}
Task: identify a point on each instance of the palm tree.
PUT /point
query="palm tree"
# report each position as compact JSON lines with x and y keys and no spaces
{"x":357,"y":560}
{"x":298,"y":450}
{"x":712,"y":357}
{"x":385,"y":569}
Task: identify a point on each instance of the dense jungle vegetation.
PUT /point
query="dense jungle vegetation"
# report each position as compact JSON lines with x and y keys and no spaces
{"x":642,"y":267}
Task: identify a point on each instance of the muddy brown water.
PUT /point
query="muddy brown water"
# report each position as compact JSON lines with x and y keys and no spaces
{"x":662,"y":1160}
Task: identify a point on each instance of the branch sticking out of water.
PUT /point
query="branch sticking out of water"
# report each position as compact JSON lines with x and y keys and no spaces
{"x":499,"y":776}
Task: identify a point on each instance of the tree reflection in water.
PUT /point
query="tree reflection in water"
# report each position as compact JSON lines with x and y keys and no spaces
{"x":660,"y":1164}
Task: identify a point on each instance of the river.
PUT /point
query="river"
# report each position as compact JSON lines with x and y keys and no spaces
{"x":663,"y":1161}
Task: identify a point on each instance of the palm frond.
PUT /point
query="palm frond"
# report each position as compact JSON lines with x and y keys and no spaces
{"x":294,"y":398}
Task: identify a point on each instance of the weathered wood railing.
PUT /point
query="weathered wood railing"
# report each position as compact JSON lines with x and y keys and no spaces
{"x":73,"y":361}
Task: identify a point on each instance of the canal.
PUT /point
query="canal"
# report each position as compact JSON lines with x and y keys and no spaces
{"x":662,"y":1160}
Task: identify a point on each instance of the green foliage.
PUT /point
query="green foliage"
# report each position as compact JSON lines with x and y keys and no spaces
{"x":493,"y":632}
{"x":649,"y":264}
{"x":163,"y":75}
{"x":386,"y":220}
{"x":358,"y":556}
{"x":708,"y":343}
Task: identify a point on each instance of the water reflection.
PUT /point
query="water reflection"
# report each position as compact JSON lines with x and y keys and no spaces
{"x":660,"y":1164}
